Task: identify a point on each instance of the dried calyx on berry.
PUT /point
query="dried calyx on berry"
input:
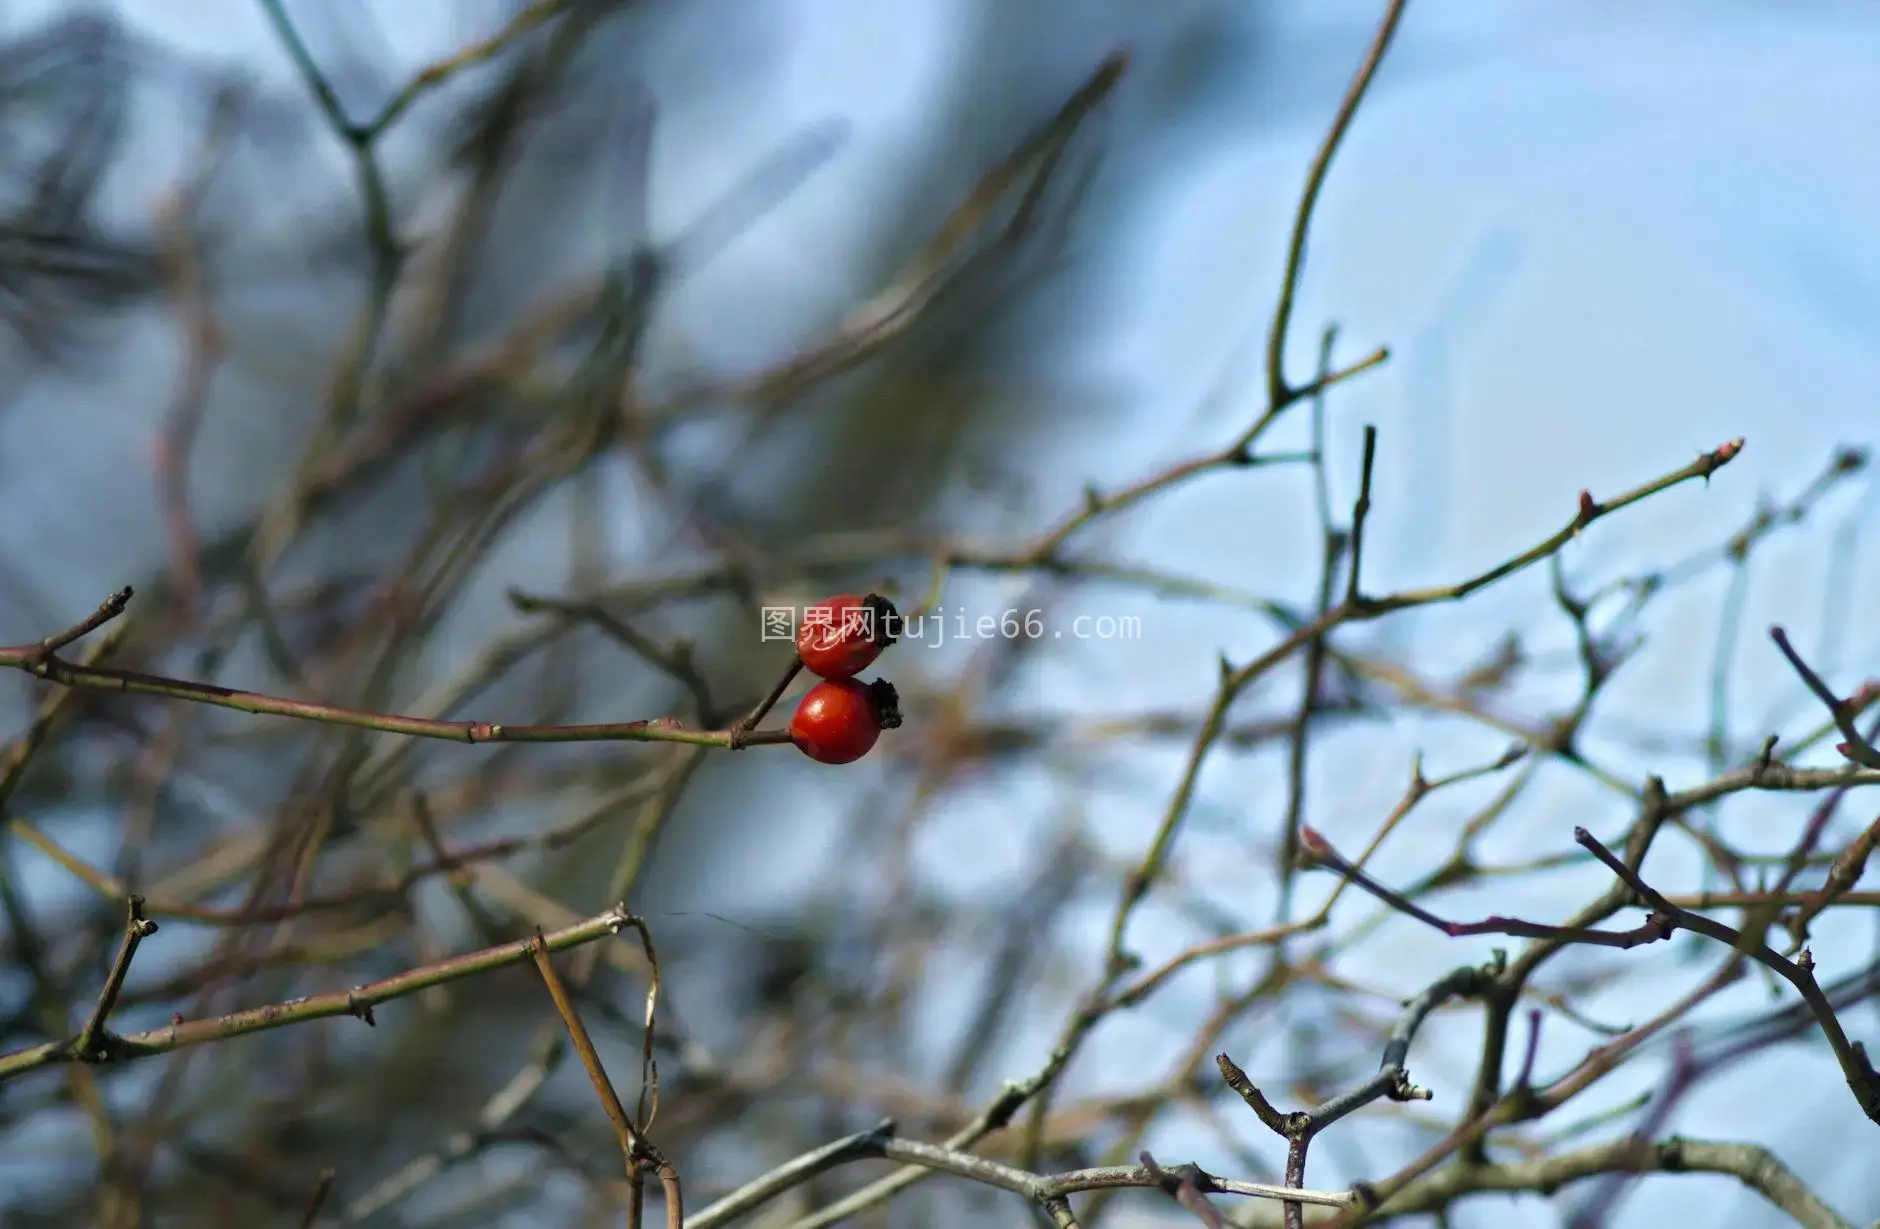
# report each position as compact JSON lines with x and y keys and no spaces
{"x":886,"y":621}
{"x":887,"y":702}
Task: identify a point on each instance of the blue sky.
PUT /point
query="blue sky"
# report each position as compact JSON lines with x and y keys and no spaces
{"x":1598,"y":237}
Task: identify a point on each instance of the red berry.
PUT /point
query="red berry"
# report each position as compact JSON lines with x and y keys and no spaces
{"x":841,"y":636}
{"x":838,"y":722}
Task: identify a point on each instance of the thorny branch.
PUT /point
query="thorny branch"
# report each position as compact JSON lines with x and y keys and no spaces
{"x":40,"y":659}
{"x":1049,"y":1191}
{"x":1392,"y":1080}
{"x":95,"y":1045}
{"x":367,"y":859}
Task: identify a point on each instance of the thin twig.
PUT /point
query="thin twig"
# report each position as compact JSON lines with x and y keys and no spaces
{"x":1279,"y":393}
{"x":89,"y":1046}
{"x":358,"y":1002}
{"x":624,"y":1133}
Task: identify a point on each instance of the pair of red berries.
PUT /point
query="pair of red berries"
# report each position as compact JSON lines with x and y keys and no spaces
{"x":841,"y":719}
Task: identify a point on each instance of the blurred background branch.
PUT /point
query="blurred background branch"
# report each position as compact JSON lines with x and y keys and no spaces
{"x":436,"y":372}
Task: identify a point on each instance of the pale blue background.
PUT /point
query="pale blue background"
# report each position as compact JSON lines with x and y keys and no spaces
{"x":1599,"y":238}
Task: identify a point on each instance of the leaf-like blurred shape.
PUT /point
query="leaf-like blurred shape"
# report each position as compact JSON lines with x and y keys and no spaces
{"x":63,"y":98}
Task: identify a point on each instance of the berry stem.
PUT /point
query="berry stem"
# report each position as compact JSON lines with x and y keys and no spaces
{"x":741,"y":729}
